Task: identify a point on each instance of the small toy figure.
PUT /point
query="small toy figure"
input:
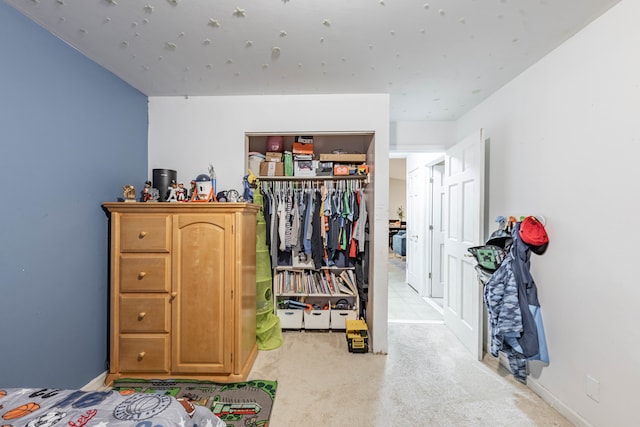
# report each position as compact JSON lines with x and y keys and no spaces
{"x":129,"y":193}
{"x":154,"y":195}
{"x":247,"y":195}
{"x":194,"y":190}
{"x":204,"y":189}
{"x":173,"y":192}
{"x":146,"y":191}
{"x":182,"y":193}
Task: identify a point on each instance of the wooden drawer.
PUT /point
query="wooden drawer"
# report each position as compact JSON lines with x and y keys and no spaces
{"x":139,"y":353}
{"x":148,"y":313}
{"x":145,"y":233}
{"x":145,"y":273}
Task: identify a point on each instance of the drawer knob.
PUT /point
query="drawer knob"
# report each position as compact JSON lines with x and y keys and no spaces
{"x":142,"y":234}
{"x":173,"y":295}
{"x":141,"y":275}
{"x":141,"y":355}
{"x":141,"y":315}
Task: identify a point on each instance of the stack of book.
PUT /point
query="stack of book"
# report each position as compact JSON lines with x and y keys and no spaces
{"x":323,"y":282}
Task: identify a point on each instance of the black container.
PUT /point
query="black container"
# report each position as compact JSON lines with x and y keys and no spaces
{"x":162,"y":181}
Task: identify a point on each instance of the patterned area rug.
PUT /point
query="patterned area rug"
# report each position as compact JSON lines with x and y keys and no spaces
{"x":243,"y":404}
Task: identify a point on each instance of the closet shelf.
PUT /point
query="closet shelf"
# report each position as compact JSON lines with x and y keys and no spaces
{"x":313,"y":294}
{"x":315,"y":178}
{"x":291,"y":268}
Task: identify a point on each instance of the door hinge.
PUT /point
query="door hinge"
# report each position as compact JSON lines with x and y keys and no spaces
{"x":430,"y":180}
{"x":232,"y":228}
{"x":429,"y":275}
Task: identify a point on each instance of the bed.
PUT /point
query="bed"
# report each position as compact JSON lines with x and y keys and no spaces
{"x":46,"y":407}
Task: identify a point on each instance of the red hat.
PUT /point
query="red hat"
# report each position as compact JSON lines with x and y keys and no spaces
{"x":532,"y":232}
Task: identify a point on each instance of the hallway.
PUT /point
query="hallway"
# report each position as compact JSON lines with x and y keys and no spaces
{"x":405,"y":305}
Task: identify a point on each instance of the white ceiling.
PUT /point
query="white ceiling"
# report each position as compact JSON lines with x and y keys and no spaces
{"x":436,"y":58}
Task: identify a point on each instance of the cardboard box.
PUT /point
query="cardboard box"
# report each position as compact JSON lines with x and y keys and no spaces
{"x":305,"y":139}
{"x":272,"y":156}
{"x":303,"y":168}
{"x":344,"y":158}
{"x":271,"y":169}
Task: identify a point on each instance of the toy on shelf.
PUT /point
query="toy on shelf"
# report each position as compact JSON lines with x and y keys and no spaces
{"x":204,"y":189}
{"x":181,"y":193}
{"x":173,"y":192}
{"x":146,"y":191}
{"x":129,"y":193}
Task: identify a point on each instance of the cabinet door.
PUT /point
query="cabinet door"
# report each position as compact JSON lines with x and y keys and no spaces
{"x":202,"y":313}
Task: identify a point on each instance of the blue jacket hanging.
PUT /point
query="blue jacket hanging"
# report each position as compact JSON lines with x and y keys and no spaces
{"x":514,"y":310}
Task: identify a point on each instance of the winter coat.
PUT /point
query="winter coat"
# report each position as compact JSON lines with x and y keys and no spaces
{"x":514,"y":310}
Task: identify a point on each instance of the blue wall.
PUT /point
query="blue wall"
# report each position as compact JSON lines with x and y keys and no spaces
{"x":71,"y":134}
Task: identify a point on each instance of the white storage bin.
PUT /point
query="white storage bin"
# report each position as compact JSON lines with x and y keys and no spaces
{"x":254,"y":162}
{"x":290,"y":318}
{"x":338,"y":318}
{"x":316,"y":319}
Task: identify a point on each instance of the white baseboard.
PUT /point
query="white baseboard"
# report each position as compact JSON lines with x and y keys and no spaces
{"x":543,"y":393}
{"x":556,"y":404}
{"x":97,"y":383}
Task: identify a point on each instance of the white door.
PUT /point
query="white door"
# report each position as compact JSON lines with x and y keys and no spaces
{"x":437,"y":231}
{"x":464,"y":208}
{"x":416,"y":229}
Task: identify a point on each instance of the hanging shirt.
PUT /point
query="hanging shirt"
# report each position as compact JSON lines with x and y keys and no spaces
{"x":359,"y":232}
{"x":282,"y":221}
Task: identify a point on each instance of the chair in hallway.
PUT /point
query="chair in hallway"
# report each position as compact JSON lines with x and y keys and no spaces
{"x":400,"y":243}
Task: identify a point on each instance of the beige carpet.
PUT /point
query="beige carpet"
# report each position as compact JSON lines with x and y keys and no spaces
{"x":427,"y":379}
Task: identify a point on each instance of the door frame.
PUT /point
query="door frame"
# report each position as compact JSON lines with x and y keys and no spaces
{"x":431,"y":249}
{"x":424,"y":159}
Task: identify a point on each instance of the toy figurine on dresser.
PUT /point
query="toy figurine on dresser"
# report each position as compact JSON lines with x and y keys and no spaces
{"x":146,"y":191}
{"x":181,"y":193}
{"x":173,"y":192}
{"x":129,"y":193}
{"x":204,"y":189}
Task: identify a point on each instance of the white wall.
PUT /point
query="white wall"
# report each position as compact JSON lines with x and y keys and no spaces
{"x":565,"y":144}
{"x":212,"y":130}
{"x":397,"y":198}
{"x":412,"y":137}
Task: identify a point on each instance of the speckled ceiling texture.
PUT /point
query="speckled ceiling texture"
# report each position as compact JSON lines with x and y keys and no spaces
{"x":437,"y":59}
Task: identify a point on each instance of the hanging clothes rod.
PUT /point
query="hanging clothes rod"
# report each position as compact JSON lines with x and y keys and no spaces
{"x":346,"y":183}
